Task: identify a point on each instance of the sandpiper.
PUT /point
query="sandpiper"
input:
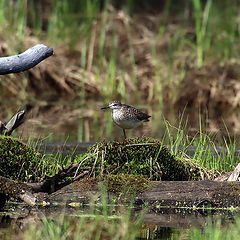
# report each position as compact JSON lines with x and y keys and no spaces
{"x":125,"y":116}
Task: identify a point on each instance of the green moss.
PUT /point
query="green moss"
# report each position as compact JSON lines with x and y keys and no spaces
{"x":17,"y":160}
{"x":139,"y":157}
{"x":128,"y":184}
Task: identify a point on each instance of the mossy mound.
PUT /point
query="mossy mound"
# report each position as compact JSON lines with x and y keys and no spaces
{"x":17,"y":160}
{"x":139,"y":157}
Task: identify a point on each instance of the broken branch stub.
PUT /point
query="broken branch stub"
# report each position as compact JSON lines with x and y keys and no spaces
{"x":26,"y":60}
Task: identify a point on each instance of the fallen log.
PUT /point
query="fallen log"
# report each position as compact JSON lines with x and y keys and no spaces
{"x":98,"y":165}
{"x":157,"y":195}
{"x":26,"y":60}
{"x":170,"y":204}
{"x":195,"y":194}
{"x":165,"y":194}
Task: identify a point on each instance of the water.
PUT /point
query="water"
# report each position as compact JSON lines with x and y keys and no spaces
{"x":70,"y":122}
{"x":164,"y":224}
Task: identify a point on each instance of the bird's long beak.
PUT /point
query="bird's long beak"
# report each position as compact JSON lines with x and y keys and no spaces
{"x":102,"y":108}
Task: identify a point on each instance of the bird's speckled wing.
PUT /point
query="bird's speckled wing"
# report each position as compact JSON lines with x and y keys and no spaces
{"x":138,"y":114}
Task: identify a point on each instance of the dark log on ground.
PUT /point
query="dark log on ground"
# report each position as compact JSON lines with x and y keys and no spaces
{"x":170,"y":204}
{"x":26,"y":60}
{"x":23,"y":191}
{"x":170,"y":194}
{"x":164,"y":194}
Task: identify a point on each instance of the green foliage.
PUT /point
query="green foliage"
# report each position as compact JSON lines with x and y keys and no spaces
{"x":138,"y":156}
{"x":72,"y":20}
{"x":115,"y":51}
{"x":14,"y":14}
{"x":17,"y":160}
{"x":204,"y":146}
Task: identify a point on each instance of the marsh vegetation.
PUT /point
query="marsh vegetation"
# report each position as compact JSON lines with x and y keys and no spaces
{"x":176,"y":60}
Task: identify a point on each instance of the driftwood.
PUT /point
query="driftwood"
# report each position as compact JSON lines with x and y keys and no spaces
{"x":159,"y":195}
{"x":170,"y":204}
{"x":26,"y":60}
{"x":235,"y":174}
{"x":196,"y":194}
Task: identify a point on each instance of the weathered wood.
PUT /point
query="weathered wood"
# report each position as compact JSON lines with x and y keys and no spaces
{"x":193,"y":194}
{"x":165,"y":194}
{"x":170,"y":194}
{"x":25,"y":60}
{"x":170,"y":204}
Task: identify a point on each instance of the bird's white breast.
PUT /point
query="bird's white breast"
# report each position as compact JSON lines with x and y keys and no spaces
{"x":124,"y":122}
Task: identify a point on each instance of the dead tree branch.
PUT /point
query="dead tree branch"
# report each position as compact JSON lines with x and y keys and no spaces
{"x":26,"y":60}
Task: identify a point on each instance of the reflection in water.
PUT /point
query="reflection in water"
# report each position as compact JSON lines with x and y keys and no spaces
{"x":70,"y":122}
{"x":165,"y":224}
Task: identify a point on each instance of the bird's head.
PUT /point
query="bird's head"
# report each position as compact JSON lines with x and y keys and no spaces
{"x":113,"y":105}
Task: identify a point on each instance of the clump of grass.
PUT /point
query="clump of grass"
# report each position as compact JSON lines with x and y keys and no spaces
{"x":201,"y":146}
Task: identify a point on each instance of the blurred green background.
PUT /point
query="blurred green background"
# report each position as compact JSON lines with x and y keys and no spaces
{"x":176,"y":60}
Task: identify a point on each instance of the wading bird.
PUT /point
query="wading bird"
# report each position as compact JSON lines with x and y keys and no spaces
{"x":126,"y":117}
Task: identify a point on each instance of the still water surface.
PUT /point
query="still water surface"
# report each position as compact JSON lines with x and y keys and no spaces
{"x":163,"y":224}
